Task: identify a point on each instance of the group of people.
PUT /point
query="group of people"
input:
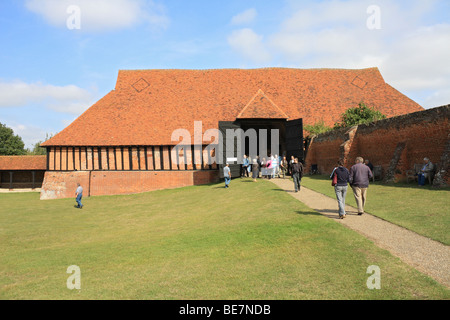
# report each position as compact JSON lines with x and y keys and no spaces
{"x":358,"y":177}
{"x":272,"y":167}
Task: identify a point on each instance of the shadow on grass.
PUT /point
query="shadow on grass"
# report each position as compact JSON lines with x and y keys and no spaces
{"x":308,"y":213}
{"x":332,"y":214}
{"x":403,"y":185}
{"x":292,"y":191}
{"x":412,"y":186}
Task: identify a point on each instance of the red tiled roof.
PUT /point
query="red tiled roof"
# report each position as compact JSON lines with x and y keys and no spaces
{"x":23,"y":162}
{"x":148,"y":105}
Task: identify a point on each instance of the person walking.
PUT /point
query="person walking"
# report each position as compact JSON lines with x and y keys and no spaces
{"x":369,"y":164}
{"x":269,"y":167}
{"x":263,"y":168}
{"x":297,"y":173}
{"x":360,"y":175}
{"x":284,"y":167}
{"x":275,"y":166}
{"x":291,"y":163}
{"x":343,"y":177}
{"x":255,"y":170}
{"x":227,"y":175}
{"x":244,"y":166}
{"x":79,"y":195}
{"x":258,"y":160}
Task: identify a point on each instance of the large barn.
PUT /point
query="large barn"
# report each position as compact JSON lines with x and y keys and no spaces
{"x":124,"y":143}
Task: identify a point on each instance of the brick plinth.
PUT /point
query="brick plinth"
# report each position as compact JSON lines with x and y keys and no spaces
{"x":63,"y":184}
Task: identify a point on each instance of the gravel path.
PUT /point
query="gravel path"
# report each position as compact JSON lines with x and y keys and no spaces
{"x":426,"y":255}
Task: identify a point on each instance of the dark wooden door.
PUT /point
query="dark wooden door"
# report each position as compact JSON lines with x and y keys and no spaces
{"x":294,"y":139}
{"x":229,"y":155}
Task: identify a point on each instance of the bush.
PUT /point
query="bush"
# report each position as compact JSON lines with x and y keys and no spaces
{"x":359,"y":115}
{"x":317,"y":128}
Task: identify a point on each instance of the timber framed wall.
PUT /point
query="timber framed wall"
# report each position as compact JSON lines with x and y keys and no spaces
{"x":132,"y":158}
{"x":124,"y":170}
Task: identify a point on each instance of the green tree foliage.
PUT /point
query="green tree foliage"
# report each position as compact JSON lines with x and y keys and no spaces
{"x":37,"y":150}
{"x":10,"y":144}
{"x":359,"y":115}
{"x":317,"y":128}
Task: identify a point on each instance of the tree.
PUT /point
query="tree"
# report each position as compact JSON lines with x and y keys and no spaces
{"x":37,"y":150}
{"x":10,"y":144}
{"x":317,"y":128}
{"x":359,"y":115}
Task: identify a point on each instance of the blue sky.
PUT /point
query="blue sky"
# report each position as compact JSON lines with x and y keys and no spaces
{"x":51,"y":72}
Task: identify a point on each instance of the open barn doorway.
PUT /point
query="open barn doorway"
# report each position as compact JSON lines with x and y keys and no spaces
{"x":260,"y":137}
{"x":271,"y":137}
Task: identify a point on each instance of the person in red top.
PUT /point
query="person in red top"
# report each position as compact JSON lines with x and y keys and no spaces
{"x":360,"y":174}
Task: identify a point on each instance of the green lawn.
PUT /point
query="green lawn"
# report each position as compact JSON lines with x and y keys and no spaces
{"x":252,"y":241}
{"x":425,"y":210}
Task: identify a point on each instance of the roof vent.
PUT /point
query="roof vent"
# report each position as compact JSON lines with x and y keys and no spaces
{"x":140,"y":85}
{"x":358,"y":82}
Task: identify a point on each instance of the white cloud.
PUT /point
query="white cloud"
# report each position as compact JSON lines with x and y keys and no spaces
{"x":250,"y":45}
{"x":420,"y":60}
{"x":69,"y":99}
{"x":438,"y":98}
{"x":100,"y":15}
{"x":322,"y":14}
{"x":411,"y":53}
{"x":29,"y":134}
{"x":246,"y":17}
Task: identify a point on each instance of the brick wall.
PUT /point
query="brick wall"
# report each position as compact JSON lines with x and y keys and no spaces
{"x":424,"y":133}
{"x":63,"y":184}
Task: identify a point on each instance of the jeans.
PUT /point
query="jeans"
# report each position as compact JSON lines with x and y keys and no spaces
{"x":341,"y":192}
{"x":227,"y":181}
{"x":421,"y":179}
{"x":79,"y":200}
{"x":297,"y":181}
{"x":244,"y":171}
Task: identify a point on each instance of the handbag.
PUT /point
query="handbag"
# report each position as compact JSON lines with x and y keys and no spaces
{"x":334,"y":182}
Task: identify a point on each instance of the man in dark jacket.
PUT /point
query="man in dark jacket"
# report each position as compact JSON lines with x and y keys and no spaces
{"x":340,"y":188}
{"x":360,"y":175}
{"x":369,"y":164}
{"x":297,"y":173}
